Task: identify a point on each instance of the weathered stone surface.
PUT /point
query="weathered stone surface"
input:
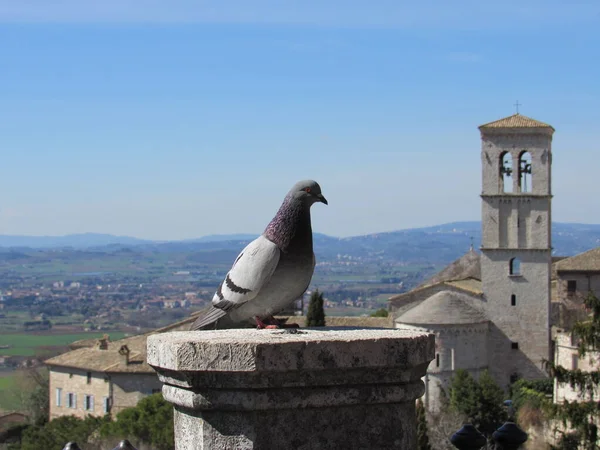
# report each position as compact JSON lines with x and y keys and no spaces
{"x":319,"y":388}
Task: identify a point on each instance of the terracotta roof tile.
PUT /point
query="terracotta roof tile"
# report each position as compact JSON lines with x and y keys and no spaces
{"x":109,"y":360}
{"x":516,"y":121}
{"x":584,"y":262}
{"x":467,"y":266}
{"x":443,"y":308}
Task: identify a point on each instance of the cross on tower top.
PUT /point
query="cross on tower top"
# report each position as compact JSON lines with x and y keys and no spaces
{"x":517,"y":106}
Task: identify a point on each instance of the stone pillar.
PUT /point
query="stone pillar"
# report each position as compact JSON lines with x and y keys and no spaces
{"x":322,"y":388}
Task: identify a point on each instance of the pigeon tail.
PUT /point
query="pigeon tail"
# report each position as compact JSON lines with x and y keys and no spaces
{"x":208,"y":319}
{"x":213,"y":318}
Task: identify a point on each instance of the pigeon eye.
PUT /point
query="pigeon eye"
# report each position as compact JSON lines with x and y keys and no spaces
{"x":307,"y":190}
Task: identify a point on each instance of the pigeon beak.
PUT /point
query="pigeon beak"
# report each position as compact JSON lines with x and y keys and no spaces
{"x":322,"y":199}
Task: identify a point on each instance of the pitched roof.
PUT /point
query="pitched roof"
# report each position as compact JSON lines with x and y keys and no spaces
{"x":109,"y":360}
{"x":584,"y":262}
{"x":467,"y":266}
{"x":470,"y":286}
{"x":443,"y":308}
{"x":516,"y":121}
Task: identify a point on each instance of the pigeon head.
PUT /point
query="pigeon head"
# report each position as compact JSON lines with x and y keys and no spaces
{"x":291,"y":229}
{"x":307,"y":191}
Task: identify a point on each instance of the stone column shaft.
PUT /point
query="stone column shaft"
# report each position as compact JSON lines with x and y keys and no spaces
{"x":308,"y":389}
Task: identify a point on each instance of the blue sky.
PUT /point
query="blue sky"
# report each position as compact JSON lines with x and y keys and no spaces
{"x":178,"y":119}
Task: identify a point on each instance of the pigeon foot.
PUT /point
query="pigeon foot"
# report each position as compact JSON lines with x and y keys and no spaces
{"x":260,"y":325}
{"x":271,"y":323}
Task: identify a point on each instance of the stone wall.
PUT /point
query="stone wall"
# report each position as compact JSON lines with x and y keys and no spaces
{"x":527,"y":323}
{"x":585,"y":282}
{"x":76,"y":381}
{"x":567,"y":356}
{"x":496,"y":142}
{"x":456,"y":347}
{"x":123,"y":390}
{"x":128,"y":389}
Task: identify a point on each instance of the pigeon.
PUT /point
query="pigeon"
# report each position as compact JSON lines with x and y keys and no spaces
{"x":272,"y":271}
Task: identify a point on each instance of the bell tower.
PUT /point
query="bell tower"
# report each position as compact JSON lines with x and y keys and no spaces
{"x":516,"y":250}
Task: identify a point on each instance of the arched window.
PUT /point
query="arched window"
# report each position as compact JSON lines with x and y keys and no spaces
{"x":515,"y":266}
{"x":506,"y":172}
{"x":525,"y":180}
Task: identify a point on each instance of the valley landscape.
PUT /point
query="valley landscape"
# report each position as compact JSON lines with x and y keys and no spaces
{"x":57,"y":290}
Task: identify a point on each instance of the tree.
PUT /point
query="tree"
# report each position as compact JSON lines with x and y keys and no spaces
{"x":581,"y":416}
{"x":482,"y":402}
{"x":422,"y":432}
{"x":491,"y":414}
{"x":37,"y":403}
{"x":315,"y":317}
{"x":444,"y":422}
{"x":381,"y":312}
{"x":150,"y":421}
{"x":55,"y":434}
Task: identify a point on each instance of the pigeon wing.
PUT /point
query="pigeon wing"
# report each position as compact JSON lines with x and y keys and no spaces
{"x":251,"y":270}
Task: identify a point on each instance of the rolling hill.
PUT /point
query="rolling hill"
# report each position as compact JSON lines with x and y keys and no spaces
{"x":440,"y":243}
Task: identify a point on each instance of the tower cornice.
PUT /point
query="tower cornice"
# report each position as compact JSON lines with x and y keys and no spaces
{"x":511,"y":196}
{"x":515,"y":249}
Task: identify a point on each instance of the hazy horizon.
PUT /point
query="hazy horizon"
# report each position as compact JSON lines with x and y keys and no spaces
{"x":242,"y":233}
{"x":180,"y":120}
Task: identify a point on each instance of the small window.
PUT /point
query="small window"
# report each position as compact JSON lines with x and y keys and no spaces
{"x":525,"y":184}
{"x":571,"y":286}
{"x":58,"y":396}
{"x":513,"y":300}
{"x":514,"y":345}
{"x":574,"y":340}
{"x":515,"y":266}
{"x":506,"y":170}
{"x":71,"y":400}
{"x":89,"y":403}
{"x":89,"y":377}
{"x":106,"y":404}
{"x":437,"y":360}
{"x":575,"y":362}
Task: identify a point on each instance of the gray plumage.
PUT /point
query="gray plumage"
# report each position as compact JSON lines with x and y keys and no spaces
{"x":272,"y":271}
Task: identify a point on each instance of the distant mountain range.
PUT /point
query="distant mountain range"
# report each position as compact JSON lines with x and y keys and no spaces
{"x":440,"y":243}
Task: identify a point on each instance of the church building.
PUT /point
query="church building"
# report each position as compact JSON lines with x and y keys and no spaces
{"x":492,"y":310}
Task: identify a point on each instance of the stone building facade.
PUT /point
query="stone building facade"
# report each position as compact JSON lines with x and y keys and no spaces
{"x":576,"y":277}
{"x":567,"y":356}
{"x":461,"y":333}
{"x":101,"y":377}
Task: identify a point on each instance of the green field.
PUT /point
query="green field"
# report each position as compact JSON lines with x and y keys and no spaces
{"x":29,"y":344}
{"x":9,"y":397}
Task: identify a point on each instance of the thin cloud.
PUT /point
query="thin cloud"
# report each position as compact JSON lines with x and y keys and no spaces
{"x":337,"y":13}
